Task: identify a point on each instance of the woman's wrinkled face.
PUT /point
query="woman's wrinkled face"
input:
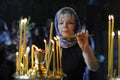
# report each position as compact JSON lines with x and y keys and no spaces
{"x":66,"y":25}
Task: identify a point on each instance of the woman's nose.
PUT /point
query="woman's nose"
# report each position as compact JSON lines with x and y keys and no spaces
{"x":64,"y":25}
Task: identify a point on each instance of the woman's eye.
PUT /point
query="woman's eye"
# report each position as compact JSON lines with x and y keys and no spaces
{"x":61,"y":23}
{"x":71,"y":23}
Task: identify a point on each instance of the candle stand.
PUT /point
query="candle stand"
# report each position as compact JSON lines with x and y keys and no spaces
{"x":45,"y":64}
{"x":113,"y":74}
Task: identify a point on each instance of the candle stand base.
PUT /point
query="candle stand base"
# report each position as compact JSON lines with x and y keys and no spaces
{"x":50,"y":75}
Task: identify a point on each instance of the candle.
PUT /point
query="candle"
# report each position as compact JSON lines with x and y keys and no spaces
{"x":32,"y":56}
{"x":53,"y":53}
{"x":109,"y":38}
{"x":46,"y":57}
{"x":51,"y":30}
{"x":50,"y":35}
{"x":112,"y":44}
{"x":27,"y":52}
{"x":50,"y":53}
{"x":112,"y":50}
{"x":20,"y":42}
{"x":24,"y":62}
{"x":32,"y":53}
{"x":56,"y":39}
{"x":24,"y":24}
{"x":56,"y":52}
{"x":45,"y":44}
{"x":60,"y":53}
{"x":17,"y":59}
{"x":112,"y":17}
{"x":118,"y":52}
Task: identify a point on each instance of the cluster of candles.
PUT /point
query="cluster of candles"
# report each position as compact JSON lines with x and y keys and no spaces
{"x":111,"y":35}
{"x":53,"y":55}
{"x":40,"y":59}
{"x":22,"y":55}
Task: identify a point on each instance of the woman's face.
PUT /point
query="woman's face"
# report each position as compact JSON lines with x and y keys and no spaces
{"x":66,"y":25}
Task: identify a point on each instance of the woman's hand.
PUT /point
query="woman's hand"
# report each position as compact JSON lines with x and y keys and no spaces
{"x":82,"y":39}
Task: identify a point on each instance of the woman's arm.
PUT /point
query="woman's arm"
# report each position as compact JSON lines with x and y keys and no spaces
{"x":90,"y":59}
{"x":88,"y":54}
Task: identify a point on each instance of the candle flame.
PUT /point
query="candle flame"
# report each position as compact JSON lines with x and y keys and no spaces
{"x":119,"y":32}
{"x":112,"y":17}
{"x":44,"y":40}
{"x":55,"y":38}
{"x":25,"y":20}
{"x":113,"y":33}
{"x":28,"y":50}
{"x":109,"y":17}
{"x":16,"y":53}
{"x":52,"y":41}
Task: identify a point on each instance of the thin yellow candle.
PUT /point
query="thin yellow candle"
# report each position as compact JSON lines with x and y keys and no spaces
{"x":20,"y":42}
{"x":17,"y":59}
{"x":119,"y":52}
{"x":112,"y":17}
{"x":109,"y":42}
{"x":27,"y":52}
{"x":45,"y":44}
{"x":46,"y":55}
{"x":50,"y":35}
{"x":57,"y":68}
{"x":24,"y":24}
{"x":53,"y":53}
{"x":60,"y":53}
{"x":73,"y":36}
{"x":50,"y":54}
{"x":51,"y":31}
{"x":24,"y":62}
{"x":112,"y":43}
{"x":112,"y":51}
{"x":32,"y":54}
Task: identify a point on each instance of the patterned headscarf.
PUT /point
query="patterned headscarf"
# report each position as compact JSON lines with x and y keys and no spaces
{"x":66,"y":43}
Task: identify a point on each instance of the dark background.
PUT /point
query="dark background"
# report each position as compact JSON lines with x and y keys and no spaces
{"x":92,"y":13}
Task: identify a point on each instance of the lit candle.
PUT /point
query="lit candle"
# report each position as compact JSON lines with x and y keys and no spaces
{"x":27,"y":52}
{"x":17,"y":59}
{"x":20,"y":42}
{"x":112,"y":17}
{"x":24,"y":24}
{"x":45,"y":44}
{"x":32,"y":54}
{"x":53,"y":53}
{"x":46,"y":55}
{"x":112,"y":44}
{"x":109,"y":41}
{"x":57,"y":68}
{"x":50,"y":53}
{"x":112,"y":50}
{"x":118,"y":52}
{"x":60,"y":54}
